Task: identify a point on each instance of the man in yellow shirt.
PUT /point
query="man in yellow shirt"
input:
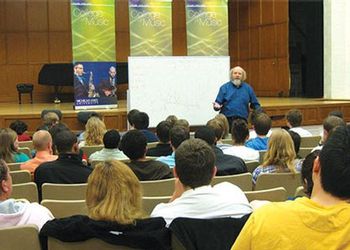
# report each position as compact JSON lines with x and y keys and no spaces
{"x":321,"y":222}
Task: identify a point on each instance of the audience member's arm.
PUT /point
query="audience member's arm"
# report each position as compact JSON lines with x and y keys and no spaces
{"x":178,"y":190}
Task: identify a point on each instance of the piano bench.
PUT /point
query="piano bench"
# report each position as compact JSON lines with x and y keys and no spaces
{"x":25,"y":88}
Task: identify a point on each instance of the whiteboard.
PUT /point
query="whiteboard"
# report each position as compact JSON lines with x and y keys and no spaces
{"x":185,"y":86}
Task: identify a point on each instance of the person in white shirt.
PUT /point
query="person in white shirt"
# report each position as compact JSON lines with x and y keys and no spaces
{"x":18,"y":212}
{"x":194,"y":197}
{"x":240,"y":134}
{"x":294,"y":119}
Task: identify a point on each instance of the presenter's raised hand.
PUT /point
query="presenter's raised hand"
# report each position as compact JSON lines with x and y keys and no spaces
{"x":217,"y":106}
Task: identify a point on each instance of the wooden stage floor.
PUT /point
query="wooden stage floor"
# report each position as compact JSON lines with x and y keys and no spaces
{"x":314,"y":111}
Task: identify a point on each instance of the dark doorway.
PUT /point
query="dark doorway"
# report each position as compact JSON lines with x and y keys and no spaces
{"x":306,"y":47}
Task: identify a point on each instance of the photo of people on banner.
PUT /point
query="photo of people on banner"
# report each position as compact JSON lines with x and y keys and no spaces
{"x":95,"y":84}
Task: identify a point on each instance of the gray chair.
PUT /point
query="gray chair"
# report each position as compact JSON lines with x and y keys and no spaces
{"x":20,"y":238}
{"x":310,"y":142}
{"x":158,"y":187}
{"x":273,"y":194}
{"x":20,"y":176}
{"x":261,"y":155}
{"x":303,"y":152}
{"x":26,"y":144}
{"x":244,"y":181}
{"x":55,"y":191}
{"x":65,"y":208}
{"x":252,"y":165}
{"x":14,"y":166}
{"x":26,"y":151}
{"x":28,"y":191}
{"x":88,"y":150}
{"x":149,"y":203}
{"x":300,"y":192}
{"x":152,"y":144}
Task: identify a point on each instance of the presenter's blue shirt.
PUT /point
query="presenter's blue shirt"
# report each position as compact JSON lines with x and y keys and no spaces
{"x":258,"y":143}
{"x":236,"y":100}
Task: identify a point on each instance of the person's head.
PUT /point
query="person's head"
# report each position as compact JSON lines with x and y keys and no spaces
{"x":207,"y":134}
{"x":112,"y":72}
{"x":239,"y":132}
{"x":133,"y":144}
{"x":54,"y":131}
{"x":19,"y":127}
{"x":141,"y":120}
{"x":306,"y":172}
{"x":296,"y":138}
{"x":94,"y":131}
{"x":111,"y":139}
{"x":330,"y":123}
{"x":294,"y":118}
{"x":78,"y":69}
{"x":50,"y":119}
{"x":162,"y":131}
{"x":6,"y":181}
{"x":331,"y":171}
{"x":254,"y":114}
{"x":42,"y":141}
{"x":114,"y":193}
{"x":218,"y":128}
{"x":130,"y":116}
{"x":280,"y":151}
{"x":262,"y":124}
{"x":178,"y":134}
{"x":183,"y":123}
{"x":238,"y":75}
{"x":9,"y":144}
{"x":195,"y":163}
{"x":172,"y":119}
{"x":222,"y":118}
{"x":66,"y":142}
{"x":336,"y":113}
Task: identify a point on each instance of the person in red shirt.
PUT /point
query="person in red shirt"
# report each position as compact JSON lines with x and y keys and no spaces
{"x":21,"y":128}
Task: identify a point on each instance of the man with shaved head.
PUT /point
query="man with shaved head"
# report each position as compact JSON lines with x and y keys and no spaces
{"x":42,"y":142}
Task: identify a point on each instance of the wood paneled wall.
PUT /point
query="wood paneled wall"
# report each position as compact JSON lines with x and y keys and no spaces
{"x":35,"y":32}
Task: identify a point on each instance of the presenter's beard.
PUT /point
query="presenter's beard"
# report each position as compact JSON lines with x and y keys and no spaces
{"x":237,"y":82}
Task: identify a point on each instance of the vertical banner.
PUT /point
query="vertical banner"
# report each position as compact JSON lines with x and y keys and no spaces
{"x":93,"y":40}
{"x":207,"y":27}
{"x":150,"y":28}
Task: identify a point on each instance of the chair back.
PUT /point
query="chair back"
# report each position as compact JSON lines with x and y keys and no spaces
{"x":300,"y":192}
{"x":28,"y":191}
{"x":244,"y":181}
{"x":14,"y":166}
{"x":152,"y":144}
{"x":158,"y":187}
{"x":149,"y":203}
{"x":20,"y":176}
{"x":55,"y":191}
{"x":303,"y":152}
{"x":26,"y":144}
{"x":252,"y":165}
{"x":227,"y":141}
{"x":310,"y":141}
{"x":91,"y":244}
{"x":88,"y":150}
{"x":26,"y":151}
{"x":261,"y":155}
{"x":289,"y":181}
{"x":20,"y":237}
{"x":65,"y":208}
{"x":273,"y":194}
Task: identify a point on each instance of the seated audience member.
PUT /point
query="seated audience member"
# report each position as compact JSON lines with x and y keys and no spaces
{"x":177,"y":134}
{"x":294,"y":119}
{"x":296,"y":143}
{"x":240,"y":134}
{"x":110,"y":151}
{"x":9,"y":147}
{"x":280,"y":155}
{"x":223,"y":120}
{"x":14,"y":212}
{"x":262,"y":126}
{"x":163,"y":148}
{"x":134,"y":144}
{"x":321,"y":222}
{"x":49,"y":120}
{"x":336,"y":113}
{"x":183,"y":123}
{"x":20,"y":128}
{"x":306,"y":172}
{"x":130,"y":117}
{"x":54,"y":131}
{"x":42,"y":143}
{"x":225,"y":164}
{"x":194,"y":197}
{"x":252,"y":119}
{"x":141,"y":122}
{"x":219,"y":128}
{"x":94,"y":131}
{"x":83,"y":117}
{"x":114,"y":213}
{"x":328,"y":125}
{"x":68,"y":168}
{"x":172,"y":119}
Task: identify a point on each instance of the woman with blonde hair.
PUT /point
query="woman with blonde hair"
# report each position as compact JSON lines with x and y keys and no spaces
{"x":95,"y":129}
{"x":9,"y":147}
{"x":114,"y":212}
{"x":280,"y":155}
{"x":223,"y":120}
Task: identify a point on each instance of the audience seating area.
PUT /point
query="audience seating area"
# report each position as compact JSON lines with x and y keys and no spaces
{"x":64,"y":191}
{"x":28,"y":191}
{"x":20,"y":238}
{"x":20,"y":176}
{"x":65,"y":208}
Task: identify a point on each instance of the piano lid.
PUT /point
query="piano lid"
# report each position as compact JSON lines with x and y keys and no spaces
{"x":56,"y":74}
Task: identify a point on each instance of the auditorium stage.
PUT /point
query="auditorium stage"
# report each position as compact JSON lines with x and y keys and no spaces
{"x":314,"y":110}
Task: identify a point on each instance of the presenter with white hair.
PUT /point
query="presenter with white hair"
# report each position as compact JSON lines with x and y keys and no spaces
{"x":236,"y":96}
